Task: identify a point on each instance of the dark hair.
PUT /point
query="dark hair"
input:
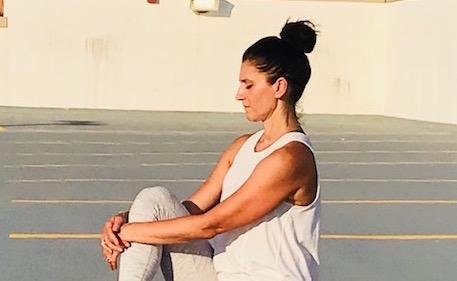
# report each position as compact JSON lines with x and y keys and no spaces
{"x":286,"y":57}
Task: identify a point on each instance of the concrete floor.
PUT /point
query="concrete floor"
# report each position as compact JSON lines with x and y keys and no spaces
{"x":384,"y":180}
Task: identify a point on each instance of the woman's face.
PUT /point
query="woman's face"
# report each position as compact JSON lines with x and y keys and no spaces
{"x":255,"y":93}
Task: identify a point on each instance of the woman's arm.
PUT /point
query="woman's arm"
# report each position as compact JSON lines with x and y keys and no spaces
{"x":203,"y":199}
{"x":272,"y":181}
{"x":208,"y":194}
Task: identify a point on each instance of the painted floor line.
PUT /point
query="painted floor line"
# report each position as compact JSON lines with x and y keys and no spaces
{"x":62,"y":142}
{"x":389,"y":236}
{"x":25,"y":154}
{"x":165,"y":164}
{"x":177,"y":164}
{"x":404,"y":237}
{"x":58,"y":166}
{"x":70,"y":201}
{"x":336,"y":202}
{"x":384,"y":141}
{"x":387,"y":163}
{"x":201,"y":180}
{"x":130,"y":132}
{"x":382,"y":202}
{"x":392,"y":180}
{"x":206,"y":132}
{"x":54,"y":236}
{"x":385,"y":151}
{"x":102,"y":180}
{"x":119,"y":154}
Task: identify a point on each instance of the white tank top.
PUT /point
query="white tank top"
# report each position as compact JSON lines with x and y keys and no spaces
{"x":283,"y":245}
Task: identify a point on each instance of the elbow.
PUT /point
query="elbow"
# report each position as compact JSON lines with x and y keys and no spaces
{"x":209,"y":233}
{"x":211,"y":227}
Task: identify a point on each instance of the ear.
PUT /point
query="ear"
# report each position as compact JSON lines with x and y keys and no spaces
{"x":280,"y":87}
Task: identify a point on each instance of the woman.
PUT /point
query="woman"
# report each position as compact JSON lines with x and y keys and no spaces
{"x":259,"y":210}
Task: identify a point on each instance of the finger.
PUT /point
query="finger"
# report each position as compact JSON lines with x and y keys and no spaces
{"x":125,"y":243}
{"x":112,"y":237}
{"x":107,"y":260}
{"x":117,"y":223}
{"x":115,"y":246}
{"x":115,"y":259}
{"x":112,"y":265}
{"x":108,"y":224}
{"x":105,"y":247}
{"x":107,"y":252}
{"x":105,"y":231}
{"x":111,"y":261}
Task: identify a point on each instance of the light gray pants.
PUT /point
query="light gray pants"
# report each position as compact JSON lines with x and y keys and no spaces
{"x":140,"y":262}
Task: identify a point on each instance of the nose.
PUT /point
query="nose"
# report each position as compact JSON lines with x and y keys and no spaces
{"x":240,"y":93}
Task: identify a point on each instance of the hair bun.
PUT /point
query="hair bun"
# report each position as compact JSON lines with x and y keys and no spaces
{"x":300,"y":34}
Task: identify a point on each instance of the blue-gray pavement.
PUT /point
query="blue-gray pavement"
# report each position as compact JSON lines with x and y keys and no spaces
{"x":110,"y":155}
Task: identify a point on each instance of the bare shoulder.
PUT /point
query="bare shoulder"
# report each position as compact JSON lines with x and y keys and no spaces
{"x":298,"y":164}
{"x":294,"y":154}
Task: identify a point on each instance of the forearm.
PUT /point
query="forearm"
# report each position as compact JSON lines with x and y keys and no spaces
{"x":179,"y":230}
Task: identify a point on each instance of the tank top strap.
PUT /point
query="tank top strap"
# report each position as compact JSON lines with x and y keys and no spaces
{"x":283,"y":140}
{"x":251,"y":142}
{"x":293,"y":136}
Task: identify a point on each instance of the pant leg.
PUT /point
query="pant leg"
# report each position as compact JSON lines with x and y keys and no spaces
{"x":140,"y":262}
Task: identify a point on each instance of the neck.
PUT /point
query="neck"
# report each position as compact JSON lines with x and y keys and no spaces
{"x":279,"y":123}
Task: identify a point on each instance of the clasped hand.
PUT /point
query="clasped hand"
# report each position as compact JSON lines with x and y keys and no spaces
{"x":112,"y":244}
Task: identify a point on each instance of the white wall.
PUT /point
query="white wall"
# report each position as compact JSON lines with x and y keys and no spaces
{"x":133,"y":55}
{"x":422,"y":61}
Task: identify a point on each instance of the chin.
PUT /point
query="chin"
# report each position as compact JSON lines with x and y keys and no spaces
{"x":252,"y":118}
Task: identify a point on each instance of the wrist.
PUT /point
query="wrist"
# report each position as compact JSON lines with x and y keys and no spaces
{"x":124,"y":231}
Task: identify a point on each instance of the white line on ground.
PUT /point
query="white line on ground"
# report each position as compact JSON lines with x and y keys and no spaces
{"x":387,"y":163}
{"x":391,"y":180}
{"x":385,"y":151}
{"x":404,"y":237}
{"x":390,"y":236}
{"x":201,"y":180}
{"x":335,"y":202}
{"x":57,"y":166}
{"x":96,"y":154}
{"x":58,"y":142}
{"x":176,"y":164}
{"x":385,"y":141}
{"x":382,"y":202}
{"x":130,"y":132}
{"x":61,"y":142}
{"x":70,"y":201}
{"x":101,"y":180}
{"x":104,"y":165}
{"x":208,"y":132}
{"x":100,"y":154}
{"x":168,"y":164}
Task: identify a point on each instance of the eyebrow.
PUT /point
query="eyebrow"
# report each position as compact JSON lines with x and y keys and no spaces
{"x":246,"y":80}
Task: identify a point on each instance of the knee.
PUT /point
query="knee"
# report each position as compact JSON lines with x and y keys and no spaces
{"x":152,"y":195}
{"x":148,"y":204}
{"x":154,"y":203}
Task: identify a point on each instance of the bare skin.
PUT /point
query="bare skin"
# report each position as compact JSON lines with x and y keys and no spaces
{"x":291,"y":177}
